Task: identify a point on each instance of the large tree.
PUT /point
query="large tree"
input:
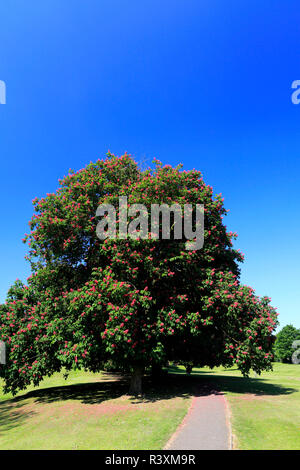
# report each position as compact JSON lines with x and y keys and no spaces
{"x":283,"y":346}
{"x":132,"y":302}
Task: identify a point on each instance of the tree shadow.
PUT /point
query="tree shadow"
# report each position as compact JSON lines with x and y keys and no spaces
{"x":87,"y":393}
{"x":11,"y":415}
{"x":236,"y":384}
{"x":247,"y":385}
{"x":173,"y":369}
{"x":185,"y":386}
{"x":168,"y":386}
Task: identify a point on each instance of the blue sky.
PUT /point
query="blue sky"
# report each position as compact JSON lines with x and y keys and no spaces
{"x":204,"y":83}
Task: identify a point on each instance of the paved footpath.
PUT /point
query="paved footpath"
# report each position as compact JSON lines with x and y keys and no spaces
{"x":206,"y":425}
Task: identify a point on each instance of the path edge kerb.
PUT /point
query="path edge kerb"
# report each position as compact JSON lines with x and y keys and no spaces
{"x":228,"y":417}
{"x":181,"y":425}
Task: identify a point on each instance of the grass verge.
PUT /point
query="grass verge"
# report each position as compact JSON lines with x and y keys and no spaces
{"x":92,"y":411}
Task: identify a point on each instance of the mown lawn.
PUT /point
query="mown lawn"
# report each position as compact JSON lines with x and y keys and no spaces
{"x":265,"y":409}
{"x":266,"y":415}
{"x":92,"y":411}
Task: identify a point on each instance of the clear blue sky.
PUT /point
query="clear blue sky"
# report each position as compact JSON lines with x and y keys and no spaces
{"x":205,"y":83}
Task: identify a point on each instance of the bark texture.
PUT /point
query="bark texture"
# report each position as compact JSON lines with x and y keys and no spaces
{"x":136,"y":381}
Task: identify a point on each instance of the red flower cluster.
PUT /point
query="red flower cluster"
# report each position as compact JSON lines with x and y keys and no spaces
{"x":129,"y":302}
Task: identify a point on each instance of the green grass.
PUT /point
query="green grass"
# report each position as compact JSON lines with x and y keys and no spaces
{"x":265,"y":409}
{"x":92,"y":411}
{"x":267,"y":414}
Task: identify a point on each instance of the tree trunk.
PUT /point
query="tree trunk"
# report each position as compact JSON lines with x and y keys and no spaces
{"x":136,"y":381}
{"x":156,"y":371}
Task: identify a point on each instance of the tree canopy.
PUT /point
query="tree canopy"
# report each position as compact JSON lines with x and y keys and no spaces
{"x":283,"y":346}
{"x":132,"y":302}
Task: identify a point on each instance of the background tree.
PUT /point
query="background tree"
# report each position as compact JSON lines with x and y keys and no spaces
{"x":283,"y":345}
{"x":134,"y":303}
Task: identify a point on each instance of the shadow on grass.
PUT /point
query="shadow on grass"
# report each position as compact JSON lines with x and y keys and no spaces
{"x":11,"y":416}
{"x":167,"y":387}
{"x":237,"y":384}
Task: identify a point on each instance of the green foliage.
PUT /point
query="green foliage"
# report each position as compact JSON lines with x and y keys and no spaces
{"x":283,"y":345}
{"x":129,"y":303}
